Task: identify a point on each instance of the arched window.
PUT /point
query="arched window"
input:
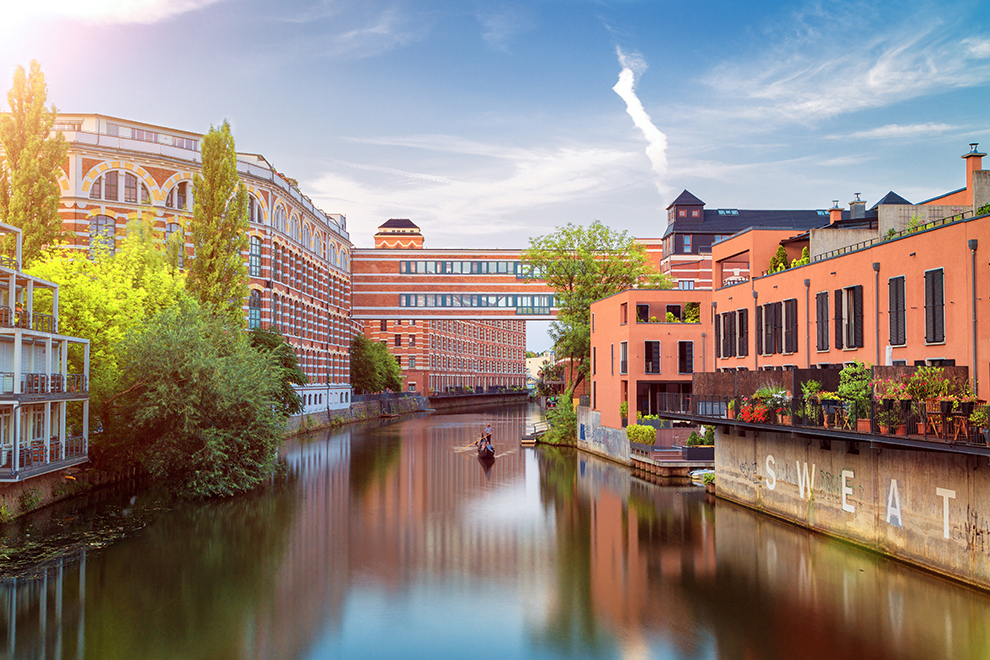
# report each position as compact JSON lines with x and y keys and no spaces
{"x":254,"y":309}
{"x":255,"y":214}
{"x":175,"y":242}
{"x":294,"y":228}
{"x":178,"y":197}
{"x":305,"y":237}
{"x":333,"y":255}
{"x":277,"y":262}
{"x":101,"y":234}
{"x":254,"y":257}
{"x":278,"y":220}
{"x":108,"y":187}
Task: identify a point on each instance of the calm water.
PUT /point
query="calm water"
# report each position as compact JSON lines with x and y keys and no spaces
{"x":391,"y":542}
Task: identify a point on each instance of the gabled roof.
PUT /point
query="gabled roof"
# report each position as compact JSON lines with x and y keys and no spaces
{"x":686,"y":199}
{"x":890,"y":198}
{"x":399,"y":223}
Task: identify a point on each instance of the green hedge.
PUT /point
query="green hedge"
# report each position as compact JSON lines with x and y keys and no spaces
{"x":645,"y":435}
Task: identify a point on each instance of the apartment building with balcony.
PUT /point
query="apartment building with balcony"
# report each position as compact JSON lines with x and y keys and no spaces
{"x":298,"y":259}
{"x":44,"y":377}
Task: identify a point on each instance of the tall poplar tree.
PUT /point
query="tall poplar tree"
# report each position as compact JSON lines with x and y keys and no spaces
{"x":217,"y":275}
{"x":32,"y":159}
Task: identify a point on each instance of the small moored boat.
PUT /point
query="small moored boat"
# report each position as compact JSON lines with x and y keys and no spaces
{"x":486,"y":451}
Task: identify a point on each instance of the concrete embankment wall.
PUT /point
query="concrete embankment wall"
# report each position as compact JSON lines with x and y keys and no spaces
{"x":603,"y":441}
{"x":356,"y":412}
{"x":927,"y":508}
{"x":21,"y":497}
{"x":477,"y":400}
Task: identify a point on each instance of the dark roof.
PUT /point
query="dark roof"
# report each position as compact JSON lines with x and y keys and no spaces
{"x":686,"y":199}
{"x":890,"y":198}
{"x":715,"y":222}
{"x":399,"y":223}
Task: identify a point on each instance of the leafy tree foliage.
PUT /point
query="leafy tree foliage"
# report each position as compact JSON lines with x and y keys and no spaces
{"x":583,"y":265}
{"x":271,"y":341}
{"x":373,"y":368}
{"x":198,"y":405}
{"x":778,"y":261}
{"x":105,"y":299}
{"x":217,"y":273}
{"x":29,"y":173}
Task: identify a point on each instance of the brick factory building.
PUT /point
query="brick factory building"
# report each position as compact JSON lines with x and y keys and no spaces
{"x":118,"y":171}
{"x":454,"y":352}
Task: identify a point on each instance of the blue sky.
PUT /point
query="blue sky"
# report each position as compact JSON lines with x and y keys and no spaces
{"x":490,"y":122}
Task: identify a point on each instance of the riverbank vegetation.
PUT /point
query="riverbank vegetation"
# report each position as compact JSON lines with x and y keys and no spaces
{"x":177,"y":386}
{"x":373,"y":368}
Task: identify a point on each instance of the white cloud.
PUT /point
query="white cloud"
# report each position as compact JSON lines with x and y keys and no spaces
{"x":104,"y":11}
{"x":845,"y":66}
{"x":500,"y":26}
{"x":633,"y":66}
{"x":497,"y":195}
{"x":900,"y":131}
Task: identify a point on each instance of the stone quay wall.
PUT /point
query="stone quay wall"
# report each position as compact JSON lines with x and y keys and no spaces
{"x":603,"y":441}
{"x":928,"y":508}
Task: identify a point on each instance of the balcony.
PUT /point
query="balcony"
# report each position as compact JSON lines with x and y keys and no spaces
{"x":30,"y":459}
{"x":22,"y":318}
{"x":34,"y":383}
{"x":907,"y":424}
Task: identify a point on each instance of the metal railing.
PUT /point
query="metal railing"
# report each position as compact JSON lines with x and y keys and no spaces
{"x":32,"y":383}
{"x":934,"y":421}
{"x":958,"y":217}
{"x":31,"y":454}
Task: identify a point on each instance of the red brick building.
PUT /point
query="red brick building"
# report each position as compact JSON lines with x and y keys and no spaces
{"x":442,"y":349}
{"x":119,"y":171}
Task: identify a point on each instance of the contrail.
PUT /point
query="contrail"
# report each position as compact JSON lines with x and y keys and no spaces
{"x":656,"y":149}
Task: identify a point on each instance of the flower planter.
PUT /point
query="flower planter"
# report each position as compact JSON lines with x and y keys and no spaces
{"x":966,"y":408}
{"x":946,"y":407}
{"x":905,"y":405}
{"x":863,"y":425}
{"x":785,"y":420}
{"x":730,"y":413}
{"x":698,"y":453}
{"x":900,"y":430}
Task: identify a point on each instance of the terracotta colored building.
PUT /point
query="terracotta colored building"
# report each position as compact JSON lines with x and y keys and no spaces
{"x":118,"y":171}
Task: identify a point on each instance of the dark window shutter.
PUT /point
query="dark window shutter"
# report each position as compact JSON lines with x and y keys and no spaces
{"x":896,"y":306}
{"x":858,"y":316}
{"x":718,"y":335}
{"x":778,"y":329}
{"x":892,"y":310}
{"x":938,"y":289}
{"x":822,"y":318}
{"x":743,"y":333}
{"x":929,"y":307}
{"x":733,"y":339}
{"x":768,"y":326}
{"x":759,"y":330}
{"x":838,"y":319}
{"x":790,"y":329}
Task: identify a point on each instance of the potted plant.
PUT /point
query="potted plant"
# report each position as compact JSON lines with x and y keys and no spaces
{"x":980,"y":419}
{"x":731,"y":409}
{"x":624,"y":413}
{"x":854,"y":386}
{"x":811,"y":408}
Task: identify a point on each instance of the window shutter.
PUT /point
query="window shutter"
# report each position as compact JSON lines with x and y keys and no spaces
{"x":768,"y":328}
{"x":821,"y":318}
{"x":790,"y":334}
{"x":759,"y":330}
{"x":892,"y":311}
{"x":733,"y":340}
{"x":838,"y":319}
{"x":743,"y":333}
{"x":718,"y":336}
{"x":929,"y":305}
{"x":778,"y":327}
{"x":858,"y":316}
{"x":938,"y":289}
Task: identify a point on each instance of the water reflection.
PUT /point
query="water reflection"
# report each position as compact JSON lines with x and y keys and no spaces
{"x":396,"y":541}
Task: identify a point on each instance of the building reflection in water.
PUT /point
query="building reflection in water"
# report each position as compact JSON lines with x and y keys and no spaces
{"x":44,"y":615}
{"x":392,"y":529}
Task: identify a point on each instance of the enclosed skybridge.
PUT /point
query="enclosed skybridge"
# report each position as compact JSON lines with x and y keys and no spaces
{"x":399,"y":283}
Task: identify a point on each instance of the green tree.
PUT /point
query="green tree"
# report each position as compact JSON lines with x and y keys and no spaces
{"x":29,"y":174}
{"x":365,"y":378}
{"x":217,"y":273}
{"x":271,"y":341}
{"x":198,"y":405}
{"x":583,"y":265}
{"x":388,"y":367}
{"x":106,"y":298}
{"x":778,"y":261}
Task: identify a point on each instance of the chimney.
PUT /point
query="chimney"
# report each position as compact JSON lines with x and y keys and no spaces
{"x":857,"y":208}
{"x":834,"y":213}
{"x":974,"y":163}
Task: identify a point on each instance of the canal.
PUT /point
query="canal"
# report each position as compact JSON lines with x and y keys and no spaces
{"x":395,"y":541}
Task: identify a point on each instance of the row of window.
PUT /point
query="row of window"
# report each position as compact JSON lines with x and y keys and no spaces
{"x":524,"y":304}
{"x":108,"y":187}
{"x":777,"y":323}
{"x":475,"y":366}
{"x":517,"y":268}
{"x":102,"y":236}
{"x":651,"y":358}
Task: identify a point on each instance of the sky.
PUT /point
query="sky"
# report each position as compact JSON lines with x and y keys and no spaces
{"x":487,"y":123}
